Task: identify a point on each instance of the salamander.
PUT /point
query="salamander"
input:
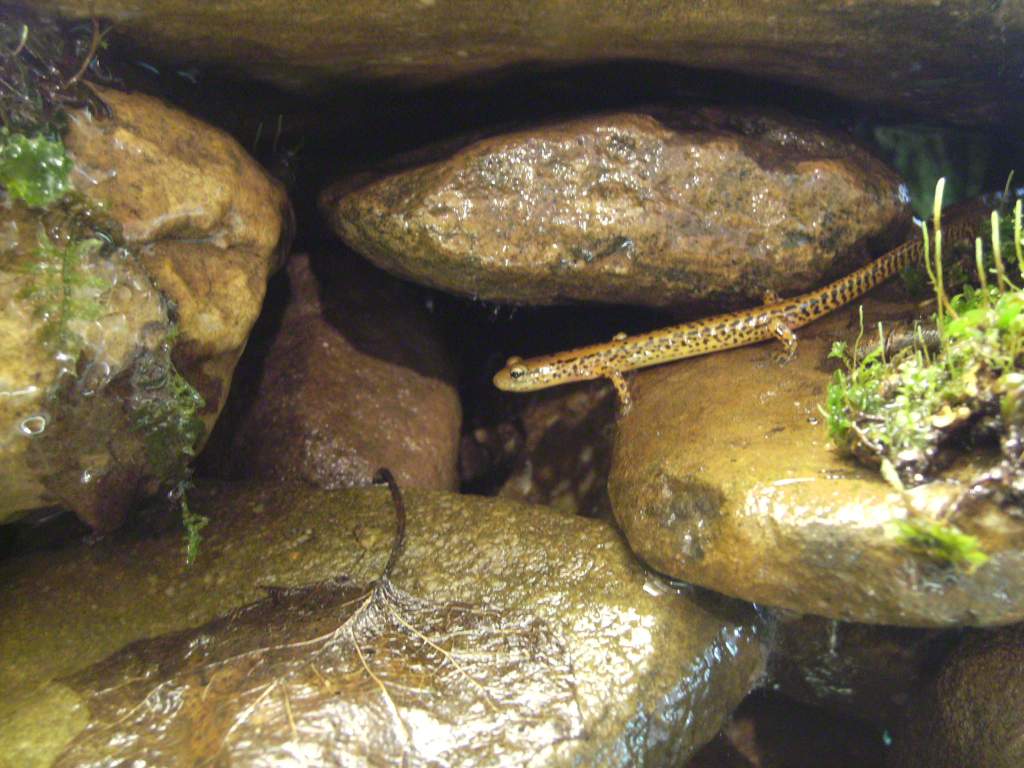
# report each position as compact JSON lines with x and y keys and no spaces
{"x":776,"y":318}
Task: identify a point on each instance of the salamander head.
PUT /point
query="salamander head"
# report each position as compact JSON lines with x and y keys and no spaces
{"x":520,"y":375}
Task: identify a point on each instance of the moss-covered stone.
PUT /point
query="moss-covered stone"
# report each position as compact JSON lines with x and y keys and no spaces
{"x":723,"y":474}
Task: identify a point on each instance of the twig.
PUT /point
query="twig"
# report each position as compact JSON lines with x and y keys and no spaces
{"x":93,"y":44}
{"x":383,"y":475}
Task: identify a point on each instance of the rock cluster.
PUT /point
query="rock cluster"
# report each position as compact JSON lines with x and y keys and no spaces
{"x":703,"y":580}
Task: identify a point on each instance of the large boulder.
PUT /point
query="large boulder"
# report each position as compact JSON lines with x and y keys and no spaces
{"x":961,"y":62}
{"x":972,"y":711}
{"x":701,"y":205}
{"x":499,"y":606}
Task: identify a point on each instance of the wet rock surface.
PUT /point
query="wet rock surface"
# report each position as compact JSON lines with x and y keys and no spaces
{"x":960,"y":63}
{"x":356,"y":377}
{"x":723,"y":475}
{"x":695,"y":205}
{"x":971,"y":713}
{"x":207,"y":226}
{"x":859,"y":670}
{"x":635,"y":672}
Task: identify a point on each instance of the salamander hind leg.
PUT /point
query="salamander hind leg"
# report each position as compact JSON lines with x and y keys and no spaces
{"x":784,"y":334}
{"x":622,"y":387}
{"x":771,"y":297}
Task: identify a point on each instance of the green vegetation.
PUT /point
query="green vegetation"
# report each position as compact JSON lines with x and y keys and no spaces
{"x":62,"y":290}
{"x":165,"y":409}
{"x":193,"y":522}
{"x":909,"y":413}
{"x":41,"y":75}
{"x":941,"y":542}
{"x":923,"y":153}
{"x":36,"y":170}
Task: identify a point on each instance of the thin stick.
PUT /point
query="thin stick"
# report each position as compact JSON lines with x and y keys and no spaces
{"x":383,"y":475}
{"x":93,"y":45}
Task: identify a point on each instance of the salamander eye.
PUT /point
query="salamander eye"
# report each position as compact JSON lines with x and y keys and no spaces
{"x":517,"y":371}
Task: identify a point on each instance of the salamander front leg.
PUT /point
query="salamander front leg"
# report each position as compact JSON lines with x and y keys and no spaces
{"x":784,"y":334}
{"x":771,"y":297}
{"x":619,"y":382}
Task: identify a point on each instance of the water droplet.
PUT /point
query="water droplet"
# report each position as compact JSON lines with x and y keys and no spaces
{"x":33,"y":425}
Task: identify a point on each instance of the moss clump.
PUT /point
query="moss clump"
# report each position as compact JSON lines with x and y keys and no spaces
{"x":62,"y":290}
{"x":910,"y":413}
{"x":34,"y":169}
{"x":165,"y":409}
{"x":941,"y":542}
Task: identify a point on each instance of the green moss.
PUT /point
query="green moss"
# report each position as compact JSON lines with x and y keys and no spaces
{"x":909,"y":413}
{"x":62,"y":290}
{"x":941,"y":542}
{"x":34,"y":169}
{"x":165,"y":409}
{"x":193,"y":523}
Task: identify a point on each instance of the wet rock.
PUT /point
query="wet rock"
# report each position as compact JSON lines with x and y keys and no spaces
{"x":971,"y":713}
{"x":860,"y":670}
{"x":652,"y":673}
{"x":207,"y":226}
{"x":567,"y":450}
{"x":354,"y":378}
{"x":961,"y":63}
{"x":699,"y":205}
{"x":723,"y":475}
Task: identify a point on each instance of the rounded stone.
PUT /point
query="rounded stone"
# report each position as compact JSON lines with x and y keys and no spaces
{"x":723,"y":475}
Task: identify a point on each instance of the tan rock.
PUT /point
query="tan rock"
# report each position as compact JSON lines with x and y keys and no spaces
{"x":654,"y":673}
{"x":356,"y":377}
{"x":960,"y":63}
{"x":723,"y":475}
{"x":208,"y":226}
{"x":972,"y":713}
{"x":698,"y":206}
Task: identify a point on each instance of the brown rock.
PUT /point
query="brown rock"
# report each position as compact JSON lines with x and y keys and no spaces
{"x":703,"y":205}
{"x":972,"y":713}
{"x":207,"y":220}
{"x":723,"y":475}
{"x":355,"y":378}
{"x":643,"y":674}
{"x":961,"y":62}
{"x":205,"y":226}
